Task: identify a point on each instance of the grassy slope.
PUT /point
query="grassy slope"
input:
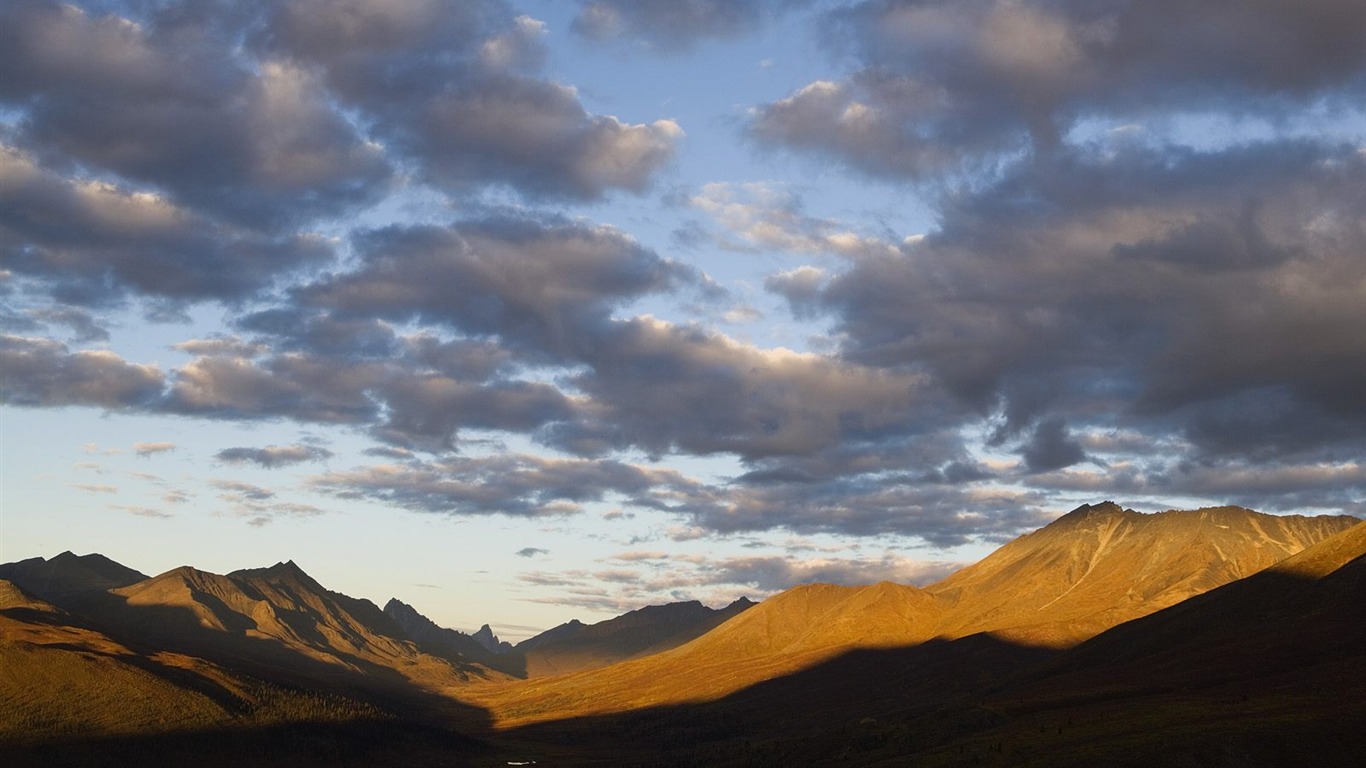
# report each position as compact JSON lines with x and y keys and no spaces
{"x":1088,"y":571}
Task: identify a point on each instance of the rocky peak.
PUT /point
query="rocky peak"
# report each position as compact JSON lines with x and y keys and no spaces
{"x":490,"y":641}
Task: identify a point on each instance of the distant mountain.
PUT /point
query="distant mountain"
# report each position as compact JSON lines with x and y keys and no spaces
{"x":449,"y":643}
{"x":1090,"y":570}
{"x":67,"y":576}
{"x":575,"y":646}
{"x":485,"y":637}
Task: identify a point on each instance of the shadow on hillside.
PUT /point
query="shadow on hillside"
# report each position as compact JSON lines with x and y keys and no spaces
{"x":355,"y":744}
{"x":1267,"y":671}
{"x":150,"y":629}
{"x":810,"y":717}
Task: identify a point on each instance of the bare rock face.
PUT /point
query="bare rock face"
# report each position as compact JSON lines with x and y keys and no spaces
{"x":485,"y":637}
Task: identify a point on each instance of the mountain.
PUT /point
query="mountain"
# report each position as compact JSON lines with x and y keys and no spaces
{"x":279,"y":621}
{"x":1094,"y":568}
{"x":485,"y":637}
{"x":72,"y":693}
{"x":68,"y":576}
{"x":1101,"y":565}
{"x":575,"y":646}
{"x":1264,"y":671}
{"x":449,"y":643}
{"x":1214,"y":637}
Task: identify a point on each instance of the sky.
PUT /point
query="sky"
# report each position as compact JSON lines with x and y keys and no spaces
{"x":524,"y":311}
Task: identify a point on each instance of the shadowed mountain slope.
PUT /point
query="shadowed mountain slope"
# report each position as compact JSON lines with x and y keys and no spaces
{"x":278,"y":616}
{"x":61,"y":677}
{"x":449,"y":643}
{"x":1262,"y":672}
{"x":1306,"y":608}
{"x":66,"y":576}
{"x":575,"y":646}
{"x":1088,"y":571}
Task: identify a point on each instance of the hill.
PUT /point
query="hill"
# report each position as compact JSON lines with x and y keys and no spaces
{"x":1090,"y":570}
{"x":68,"y":576}
{"x":278,"y":621}
{"x":1101,"y":565}
{"x":575,"y":646}
{"x":1264,"y":671}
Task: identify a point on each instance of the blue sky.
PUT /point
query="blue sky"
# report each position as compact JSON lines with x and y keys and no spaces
{"x":526,"y":311}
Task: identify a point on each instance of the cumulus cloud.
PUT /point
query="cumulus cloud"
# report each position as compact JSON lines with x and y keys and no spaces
{"x":668,"y":25}
{"x":114,"y":240}
{"x":274,"y":456}
{"x":528,"y":282}
{"x":1146,"y":290}
{"x":45,"y":373}
{"x":187,"y":148}
{"x":151,"y":449}
{"x":166,"y":101}
{"x":664,"y":387}
{"x":532,"y":552}
{"x":945,"y":86}
{"x":451,"y":87}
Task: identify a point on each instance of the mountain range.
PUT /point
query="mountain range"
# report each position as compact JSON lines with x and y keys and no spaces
{"x":1230,"y":632}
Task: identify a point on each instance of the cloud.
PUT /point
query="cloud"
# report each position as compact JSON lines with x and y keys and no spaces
{"x":187,"y":149}
{"x":946,"y":86}
{"x":664,"y":387}
{"x":170,"y":100}
{"x":532,"y":552}
{"x":115,"y":240}
{"x":451,"y":87}
{"x":529,"y":282}
{"x":513,"y":485}
{"x":260,"y":506}
{"x":274,"y":456}
{"x":147,"y":512}
{"x":149,"y":449}
{"x":658,"y":578}
{"x":83,"y":326}
{"x":45,"y":373}
{"x":1147,"y":290}
{"x":764,"y":216}
{"x":1051,"y":447}
{"x":672,"y":26}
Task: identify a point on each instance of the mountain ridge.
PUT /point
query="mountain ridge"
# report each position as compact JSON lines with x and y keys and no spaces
{"x":1047,"y":588}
